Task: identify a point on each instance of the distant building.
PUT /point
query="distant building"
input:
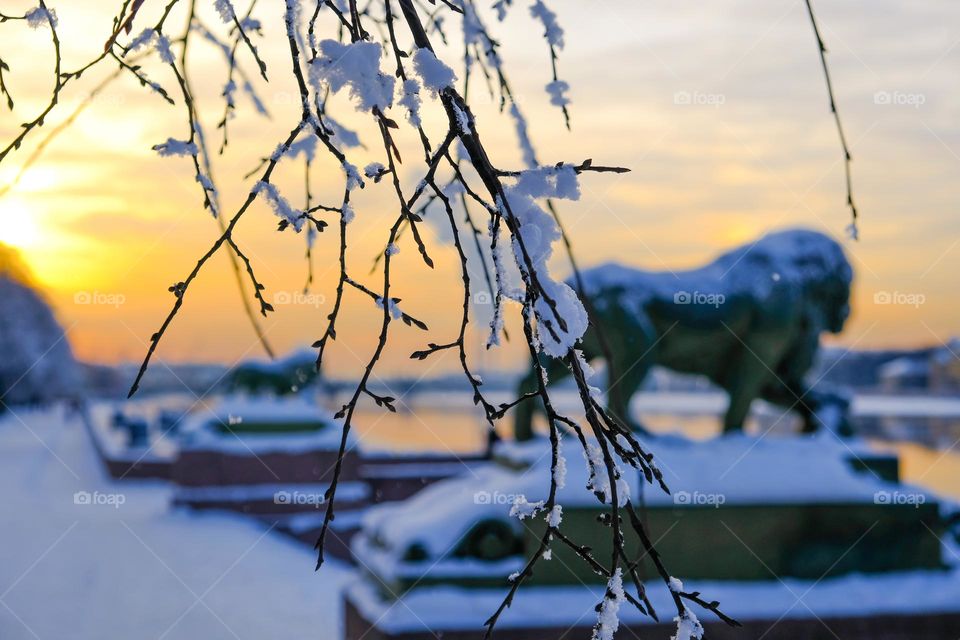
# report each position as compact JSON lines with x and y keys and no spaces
{"x":908,"y":373}
{"x":923,"y":370}
{"x":872,"y":371}
{"x":945,"y":368}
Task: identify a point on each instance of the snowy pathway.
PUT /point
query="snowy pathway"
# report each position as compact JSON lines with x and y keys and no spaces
{"x":129,"y":567}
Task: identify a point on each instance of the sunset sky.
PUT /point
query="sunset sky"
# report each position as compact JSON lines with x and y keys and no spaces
{"x":102,"y":218}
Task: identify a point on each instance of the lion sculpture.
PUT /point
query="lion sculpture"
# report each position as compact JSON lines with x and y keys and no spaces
{"x":750,"y":321}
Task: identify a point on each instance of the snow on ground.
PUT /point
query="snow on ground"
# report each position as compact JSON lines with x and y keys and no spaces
{"x":128,"y":566}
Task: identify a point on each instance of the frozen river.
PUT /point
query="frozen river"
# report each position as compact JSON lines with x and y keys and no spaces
{"x":928,"y":445}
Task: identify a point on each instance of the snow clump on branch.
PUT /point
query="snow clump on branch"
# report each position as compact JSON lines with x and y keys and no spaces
{"x":160,"y":43}
{"x":555,"y":516}
{"x":523,"y":137}
{"x":523,"y":509}
{"x":410,"y":100}
{"x":553,"y":32}
{"x":357,"y":66}
{"x":37,"y":16}
{"x":435,"y":74}
{"x":225,"y":9}
{"x":599,"y":479}
{"x":688,"y":627}
{"x":557,"y":91}
{"x":176,"y":148}
{"x":279,"y":204}
{"x":539,"y":231}
{"x":560,"y":472}
{"x":607,"y":619}
{"x":392,"y":307}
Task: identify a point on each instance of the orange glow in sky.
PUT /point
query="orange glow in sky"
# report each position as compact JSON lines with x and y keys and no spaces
{"x":101,"y":217}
